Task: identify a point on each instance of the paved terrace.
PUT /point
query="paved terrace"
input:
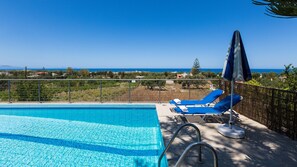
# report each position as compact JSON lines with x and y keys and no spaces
{"x":261,"y":147}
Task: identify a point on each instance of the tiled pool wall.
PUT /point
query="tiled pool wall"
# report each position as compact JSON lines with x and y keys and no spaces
{"x":52,"y":139}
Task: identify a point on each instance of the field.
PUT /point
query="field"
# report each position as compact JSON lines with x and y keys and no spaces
{"x":86,"y":91}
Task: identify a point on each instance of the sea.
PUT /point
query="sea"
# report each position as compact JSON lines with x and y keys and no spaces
{"x":158,"y":70}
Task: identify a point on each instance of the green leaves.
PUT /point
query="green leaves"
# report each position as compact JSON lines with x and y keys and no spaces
{"x":151,"y":84}
{"x":290,"y":73}
{"x":28,"y":91}
{"x":254,"y":82}
{"x":279,"y":8}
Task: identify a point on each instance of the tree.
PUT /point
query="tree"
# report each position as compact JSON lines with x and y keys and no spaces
{"x":291,"y":77}
{"x":110,"y":74}
{"x":196,"y":67}
{"x":197,"y":81}
{"x":69,"y":71}
{"x":121,"y":75}
{"x":84,"y":73}
{"x":283,"y":9}
{"x":279,"y":8}
{"x":209,"y":74}
{"x":287,"y":69}
{"x":256,"y":75}
{"x":26,"y":72}
{"x":151,"y":84}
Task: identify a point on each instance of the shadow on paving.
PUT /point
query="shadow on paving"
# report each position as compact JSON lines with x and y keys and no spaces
{"x":185,"y":137}
{"x":261,"y":147}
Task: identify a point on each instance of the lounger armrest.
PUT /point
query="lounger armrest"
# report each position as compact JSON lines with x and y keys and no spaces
{"x":177,"y":101}
{"x":183,"y":109}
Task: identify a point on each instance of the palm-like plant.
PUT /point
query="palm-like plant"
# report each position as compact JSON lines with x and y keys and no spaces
{"x":279,"y":8}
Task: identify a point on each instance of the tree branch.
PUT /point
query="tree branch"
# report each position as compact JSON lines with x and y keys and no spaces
{"x":279,"y":8}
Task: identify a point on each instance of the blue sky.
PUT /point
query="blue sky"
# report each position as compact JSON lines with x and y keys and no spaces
{"x":140,"y":33}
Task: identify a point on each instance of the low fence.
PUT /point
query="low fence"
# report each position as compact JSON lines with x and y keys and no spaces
{"x":273,"y":108}
{"x":103,"y":90}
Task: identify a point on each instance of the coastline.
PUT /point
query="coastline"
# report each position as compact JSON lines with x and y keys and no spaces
{"x":173,"y":70}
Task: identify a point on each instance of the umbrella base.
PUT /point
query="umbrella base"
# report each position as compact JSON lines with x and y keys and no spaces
{"x":234,"y":132}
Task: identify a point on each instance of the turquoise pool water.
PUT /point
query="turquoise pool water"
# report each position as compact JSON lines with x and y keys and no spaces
{"x":79,"y":135}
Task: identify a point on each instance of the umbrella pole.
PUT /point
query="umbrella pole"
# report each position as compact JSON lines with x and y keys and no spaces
{"x":228,"y":129}
{"x":235,"y":66}
{"x":231,"y":104}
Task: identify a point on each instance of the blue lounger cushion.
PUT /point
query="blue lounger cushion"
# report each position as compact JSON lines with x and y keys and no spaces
{"x":211,"y":97}
{"x":195,"y":110}
{"x":219,"y":108}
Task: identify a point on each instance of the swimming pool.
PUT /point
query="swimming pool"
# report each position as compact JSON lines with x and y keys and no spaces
{"x":79,"y":135}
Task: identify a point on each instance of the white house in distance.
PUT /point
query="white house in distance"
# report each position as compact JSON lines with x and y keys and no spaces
{"x":180,"y":76}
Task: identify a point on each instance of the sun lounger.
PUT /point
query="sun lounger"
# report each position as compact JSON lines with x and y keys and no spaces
{"x":220,"y":108}
{"x":211,"y":97}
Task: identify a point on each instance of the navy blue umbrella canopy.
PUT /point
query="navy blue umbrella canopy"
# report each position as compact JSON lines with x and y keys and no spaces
{"x":236,"y":67}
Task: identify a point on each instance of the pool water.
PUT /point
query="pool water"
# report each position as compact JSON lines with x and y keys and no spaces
{"x":80,"y":135}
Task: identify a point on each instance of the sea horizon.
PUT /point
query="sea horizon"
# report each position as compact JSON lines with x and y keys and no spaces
{"x":173,"y":70}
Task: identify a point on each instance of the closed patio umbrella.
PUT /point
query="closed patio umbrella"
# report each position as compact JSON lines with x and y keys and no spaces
{"x":236,"y":68}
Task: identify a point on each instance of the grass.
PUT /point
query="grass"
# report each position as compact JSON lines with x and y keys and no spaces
{"x":84,"y":91}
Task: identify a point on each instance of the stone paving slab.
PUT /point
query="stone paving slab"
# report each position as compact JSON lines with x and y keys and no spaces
{"x":261,"y":147}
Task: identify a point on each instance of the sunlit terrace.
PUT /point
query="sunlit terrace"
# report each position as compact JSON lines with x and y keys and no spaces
{"x":267,"y":115}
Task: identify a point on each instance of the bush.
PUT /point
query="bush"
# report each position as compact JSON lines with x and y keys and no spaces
{"x":291,"y":78}
{"x":28,"y":91}
{"x":254,"y":82}
{"x":195,"y":83}
{"x":151,"y":84}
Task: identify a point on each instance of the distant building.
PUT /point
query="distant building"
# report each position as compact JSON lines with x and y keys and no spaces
{"x":139,"y":77}
{"x":33,"y":76}
{"x":180,"y":76}
{"x":283,"y":78}
{"x":41,"y":73}
{"x":169,"y":82}
{"x":4,"y":73}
